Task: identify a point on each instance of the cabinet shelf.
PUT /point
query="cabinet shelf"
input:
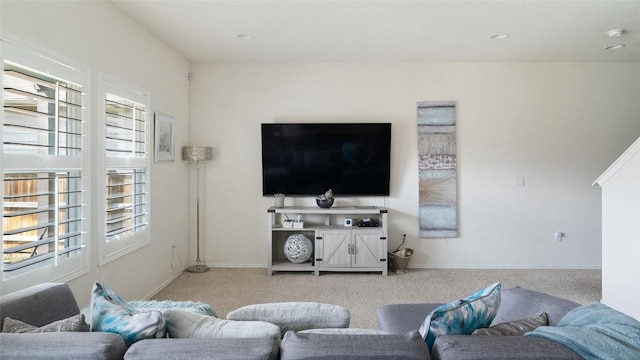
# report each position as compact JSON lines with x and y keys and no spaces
{"x":289,"y":266}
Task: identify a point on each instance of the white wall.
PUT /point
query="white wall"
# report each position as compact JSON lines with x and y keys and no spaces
{"x":621,"y":233}
{"x":98,"y":36}
{"x":558,"y":125}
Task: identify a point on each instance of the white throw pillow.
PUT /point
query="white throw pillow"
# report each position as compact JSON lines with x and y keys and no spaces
{"x":295,"y":315}
{"x":348,"y":331}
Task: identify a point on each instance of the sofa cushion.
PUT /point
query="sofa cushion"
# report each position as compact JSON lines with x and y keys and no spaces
{"x":462,"y":316}
{"x":187,"y":324}
{"x":63,"y":346}
{"x":75,"y":323}
{"x":465,"y":347}
{"x":196,"y":349}
{"x":518,"y":303}
{"x":310,"y":346}
{"x":295,"y":315}
{"x":110,"y":313}
{"x":516,"y":327}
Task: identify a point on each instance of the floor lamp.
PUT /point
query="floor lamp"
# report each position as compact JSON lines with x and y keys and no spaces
{"x":198,"y":156}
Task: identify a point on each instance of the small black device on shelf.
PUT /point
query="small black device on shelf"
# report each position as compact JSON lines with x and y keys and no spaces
{"x":368,"y":223}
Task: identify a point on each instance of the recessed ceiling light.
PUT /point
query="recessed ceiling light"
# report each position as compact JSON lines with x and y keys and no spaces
{"x":499,"y":36}
{"x":615,"y":33}
{"x":614,"y":47}
{"x":245,"y":36}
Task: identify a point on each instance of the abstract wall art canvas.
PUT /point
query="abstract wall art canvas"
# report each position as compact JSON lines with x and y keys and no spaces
{"x":437,"y":169}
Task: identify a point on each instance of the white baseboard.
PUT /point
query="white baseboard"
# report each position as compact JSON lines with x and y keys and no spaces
{"x":513,"y":267}
{"x":452,"y":266}
{"x":162,"y":286}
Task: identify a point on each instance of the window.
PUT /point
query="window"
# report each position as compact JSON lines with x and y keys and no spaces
{"x":44,"y":165}
{"x":126,"y":168}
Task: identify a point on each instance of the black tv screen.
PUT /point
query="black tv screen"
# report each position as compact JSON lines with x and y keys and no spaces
{"x":352,"y":159}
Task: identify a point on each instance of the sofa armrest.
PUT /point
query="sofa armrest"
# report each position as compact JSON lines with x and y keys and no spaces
{"x":478,"y":347}
{"x":39,"y":305}
{"x":519,"y":303}
{"x":61,"y":345}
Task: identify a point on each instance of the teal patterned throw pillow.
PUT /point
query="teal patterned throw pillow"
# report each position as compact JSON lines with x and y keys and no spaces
{"x":110,"y":313}
{"x":463,"y":316}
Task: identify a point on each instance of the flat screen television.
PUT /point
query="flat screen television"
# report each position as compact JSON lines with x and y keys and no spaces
{"x":351,"y":159}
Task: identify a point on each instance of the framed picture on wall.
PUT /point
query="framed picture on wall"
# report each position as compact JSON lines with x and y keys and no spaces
{"x":164,"y":137}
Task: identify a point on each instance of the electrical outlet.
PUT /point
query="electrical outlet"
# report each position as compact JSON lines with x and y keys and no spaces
{"x":518,"y":182}
{"x":558,"y":235}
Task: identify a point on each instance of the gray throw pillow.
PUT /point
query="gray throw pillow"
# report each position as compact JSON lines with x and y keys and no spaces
{"x":75,"y":323}
{"x":515,"y":328}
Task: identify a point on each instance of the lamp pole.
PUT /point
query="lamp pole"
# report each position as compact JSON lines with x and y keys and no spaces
{"x":198,"y":156}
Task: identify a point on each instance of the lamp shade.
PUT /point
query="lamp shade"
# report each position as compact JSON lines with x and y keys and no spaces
{"x":197,"y":153}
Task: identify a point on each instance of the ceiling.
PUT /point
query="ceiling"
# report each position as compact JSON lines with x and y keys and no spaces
{"x":391,"y":31}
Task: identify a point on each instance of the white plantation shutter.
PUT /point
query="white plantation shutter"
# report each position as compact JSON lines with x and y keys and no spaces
{"x":126,"y":128}
{"x":126,"y":168}
{"x":126,"y":202}
{"x":38,"y":229}
{"x":44,"y":165}
{"x":41,"y":115}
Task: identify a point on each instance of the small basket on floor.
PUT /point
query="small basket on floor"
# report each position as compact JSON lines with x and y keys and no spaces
{"x":399,"y":260}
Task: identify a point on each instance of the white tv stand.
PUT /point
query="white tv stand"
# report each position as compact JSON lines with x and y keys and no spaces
{"x":336,"y":247}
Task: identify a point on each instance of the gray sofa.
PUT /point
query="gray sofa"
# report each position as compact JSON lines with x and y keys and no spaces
{"x":46,"y":303}
{"x":43,"y":304}
{"x":517,"y":303}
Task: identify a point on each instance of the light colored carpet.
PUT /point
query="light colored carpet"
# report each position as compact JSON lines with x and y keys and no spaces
{"x":227,"y":289}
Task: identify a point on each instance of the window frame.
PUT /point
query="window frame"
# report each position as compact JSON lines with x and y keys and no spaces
{"x":37,"y":60}
{"x":111,"y":250}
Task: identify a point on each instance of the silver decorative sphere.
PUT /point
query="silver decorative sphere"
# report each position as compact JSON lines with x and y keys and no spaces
{"x":298,"y":248}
